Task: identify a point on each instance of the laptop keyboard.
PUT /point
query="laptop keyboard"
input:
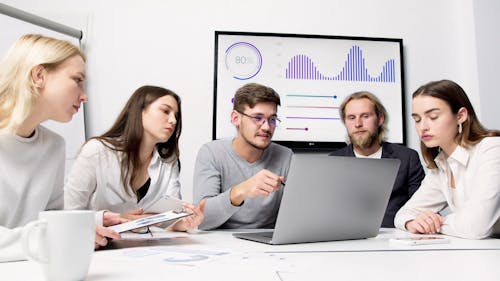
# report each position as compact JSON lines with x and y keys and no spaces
{"x":267,"y":234}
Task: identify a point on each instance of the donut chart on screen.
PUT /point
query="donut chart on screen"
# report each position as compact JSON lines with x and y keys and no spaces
{"x":243,"y":60}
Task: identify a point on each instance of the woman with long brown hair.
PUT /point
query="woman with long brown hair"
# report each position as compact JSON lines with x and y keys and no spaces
{"x":136,"y":162}
{"x":463,"y":159}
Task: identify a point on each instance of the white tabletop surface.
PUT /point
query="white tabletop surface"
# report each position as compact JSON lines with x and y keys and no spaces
{"x":219,"y":256}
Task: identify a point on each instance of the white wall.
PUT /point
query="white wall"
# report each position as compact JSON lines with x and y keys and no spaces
{"x":488,"y":57}
{"x":171,"y":44}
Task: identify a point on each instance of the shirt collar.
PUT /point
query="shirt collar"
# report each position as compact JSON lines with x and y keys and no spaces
{"x":460,"y":155}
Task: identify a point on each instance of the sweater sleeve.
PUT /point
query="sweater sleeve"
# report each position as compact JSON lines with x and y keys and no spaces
{"x":10,"y":244}
{"x":207,"y":184}
{"x":56,"y":201}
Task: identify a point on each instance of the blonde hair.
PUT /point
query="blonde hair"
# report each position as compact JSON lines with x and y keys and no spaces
{"x":18,"y":94}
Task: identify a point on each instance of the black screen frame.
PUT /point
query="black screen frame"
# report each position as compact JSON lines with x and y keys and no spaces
{"x":312,"y":145}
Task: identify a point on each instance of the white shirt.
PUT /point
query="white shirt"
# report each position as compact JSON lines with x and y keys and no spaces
{"x":376,"y":155}
{"x":31,"y":180}
{"x":95,"y":181}
{"x":474,"y":203}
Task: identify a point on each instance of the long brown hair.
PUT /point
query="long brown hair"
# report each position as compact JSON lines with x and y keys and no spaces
{"x":472,"y":130}
{"x":126,"y":133}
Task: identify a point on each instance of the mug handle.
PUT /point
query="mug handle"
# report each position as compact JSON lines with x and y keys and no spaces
{"x":26,"y":237}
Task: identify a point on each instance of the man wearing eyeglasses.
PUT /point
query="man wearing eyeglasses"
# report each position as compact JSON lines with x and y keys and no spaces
{"x":242,"y":178}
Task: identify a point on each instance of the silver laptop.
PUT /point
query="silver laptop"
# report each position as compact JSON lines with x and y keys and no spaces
{"x":329,"y":198}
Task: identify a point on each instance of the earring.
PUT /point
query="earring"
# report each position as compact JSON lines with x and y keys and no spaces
{"x":459,"y":128}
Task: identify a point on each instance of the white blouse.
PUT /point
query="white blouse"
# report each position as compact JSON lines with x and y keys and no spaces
{"x":95,"y":181}
{"x":474,"y":203}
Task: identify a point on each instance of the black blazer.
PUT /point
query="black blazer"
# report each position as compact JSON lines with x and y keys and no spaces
{"x":408,"y":180}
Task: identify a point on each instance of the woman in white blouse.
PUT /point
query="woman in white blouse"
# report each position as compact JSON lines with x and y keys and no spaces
{"x":463,"y":159}
{"x":135,"y":163}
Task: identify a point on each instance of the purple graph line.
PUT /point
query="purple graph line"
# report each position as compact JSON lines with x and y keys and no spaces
{"x":298,"y":129}
{"x":314,"y":118}
{"x":306,"y":106}
{"x":354,"y":69}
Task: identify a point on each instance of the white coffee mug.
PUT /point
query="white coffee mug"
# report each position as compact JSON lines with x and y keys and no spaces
{"x":65,"y":243}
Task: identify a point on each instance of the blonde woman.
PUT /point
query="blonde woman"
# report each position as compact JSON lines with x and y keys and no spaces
{"x":41,"y":78}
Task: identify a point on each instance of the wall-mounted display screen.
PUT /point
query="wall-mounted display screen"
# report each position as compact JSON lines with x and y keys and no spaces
{"x":313,"y":74}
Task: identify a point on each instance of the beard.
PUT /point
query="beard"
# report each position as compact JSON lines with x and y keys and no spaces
{"x":257,"y":145}
{"x":364,"y":142}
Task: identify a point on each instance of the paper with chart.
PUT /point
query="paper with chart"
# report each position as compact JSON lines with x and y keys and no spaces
{"x":147,"y":221}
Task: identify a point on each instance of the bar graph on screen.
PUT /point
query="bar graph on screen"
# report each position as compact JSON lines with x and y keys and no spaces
{"x":354,"y":69}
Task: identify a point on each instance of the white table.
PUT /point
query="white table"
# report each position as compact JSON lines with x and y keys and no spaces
{"x":219,"y":256}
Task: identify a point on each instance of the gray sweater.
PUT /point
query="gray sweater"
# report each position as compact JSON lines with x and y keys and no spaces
{"x":31,"y":180}
{"x":218,"y":168}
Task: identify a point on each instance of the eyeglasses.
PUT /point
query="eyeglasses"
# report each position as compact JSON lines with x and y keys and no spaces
{"x":259,"y":120}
